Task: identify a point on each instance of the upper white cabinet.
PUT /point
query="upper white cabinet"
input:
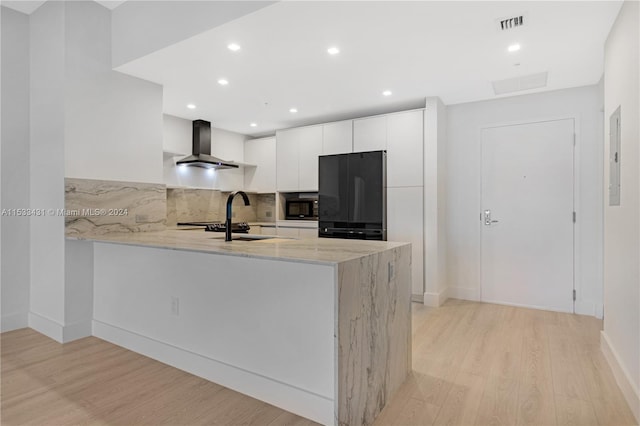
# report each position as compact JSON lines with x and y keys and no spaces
{"x":337,"y":138}
{"x":404,"y":148}
{"x":262,"y":153}
{"x":287,"y":151}
{"x":297,"y":152}
{"x":370,"y":134}
{"x":310,"y":150}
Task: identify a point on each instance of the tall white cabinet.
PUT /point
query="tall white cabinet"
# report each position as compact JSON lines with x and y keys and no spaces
{"x":402,"y":135}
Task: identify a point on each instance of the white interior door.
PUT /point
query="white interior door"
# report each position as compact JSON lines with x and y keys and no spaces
{"x":527,"y":215}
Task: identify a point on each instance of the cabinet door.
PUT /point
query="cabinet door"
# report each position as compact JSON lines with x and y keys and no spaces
{"x":310,"y":148}
{"x":370,"y":134}
{"x":287,"y":151}
{"x":337,"y":138}
{"x":404,"y":223}
{"x":306,"y":233}
{"x":262,"y":153}
{"x":404,"y":149}
{"x":288,"y":232}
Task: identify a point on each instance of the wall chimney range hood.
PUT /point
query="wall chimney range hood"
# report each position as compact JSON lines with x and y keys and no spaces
{"x":201,"y":151}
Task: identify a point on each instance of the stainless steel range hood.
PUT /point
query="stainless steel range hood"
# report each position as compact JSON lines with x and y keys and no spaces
{"x":201,"y":151}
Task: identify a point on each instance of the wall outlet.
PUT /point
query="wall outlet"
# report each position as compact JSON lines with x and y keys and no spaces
{"x":268,"y":214}
{"x":175,"y":305}
{"x":233,"y":214}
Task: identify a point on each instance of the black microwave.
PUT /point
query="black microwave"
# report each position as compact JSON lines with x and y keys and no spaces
{"x":301,"y":208}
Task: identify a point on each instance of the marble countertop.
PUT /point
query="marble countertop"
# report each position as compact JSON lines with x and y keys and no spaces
{"x":314,"y":250}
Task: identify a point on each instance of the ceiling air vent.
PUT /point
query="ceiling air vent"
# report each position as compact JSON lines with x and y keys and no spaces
{"x":525,"y":82}
{"x":510,"y":23}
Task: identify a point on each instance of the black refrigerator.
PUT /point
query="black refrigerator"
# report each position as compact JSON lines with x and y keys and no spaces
{"x":352,"y":200}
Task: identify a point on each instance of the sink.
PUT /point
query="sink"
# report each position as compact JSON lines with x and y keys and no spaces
{"x":246,"y":237}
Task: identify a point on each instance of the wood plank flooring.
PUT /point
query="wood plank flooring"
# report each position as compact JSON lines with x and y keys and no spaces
{"x":473,"y":364}
{"x":484,"y":364}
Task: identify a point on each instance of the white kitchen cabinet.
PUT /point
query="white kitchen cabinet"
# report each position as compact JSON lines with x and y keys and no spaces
{"x":262,"y":153}
{"x":287,"y":152}
{"x":297,"y":152}
{"x":405,"y":224}
{"x":370,"y":134}
{"x":255,"y":229}
{"x":404,"y":148}
{"x":310,"y":148}
{"x":306,"y":233}
{"x":337,"y":138}
{"x":288,"y":232}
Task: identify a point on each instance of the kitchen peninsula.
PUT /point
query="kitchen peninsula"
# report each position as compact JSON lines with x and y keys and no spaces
{"x":319,"y":327}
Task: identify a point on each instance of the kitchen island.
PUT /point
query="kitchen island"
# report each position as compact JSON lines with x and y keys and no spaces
{"x":318,"y":327}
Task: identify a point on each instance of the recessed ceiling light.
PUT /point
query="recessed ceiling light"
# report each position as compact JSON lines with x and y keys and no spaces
{"x":191,"y":106}
{"x":514,"y":48}
{"x":387,"y":93}
{"x":253,"y":124}
{"x":223,"y":82}
{"x":333,"y":50}
{"x":293,"y":110}
{"x":233,"y":47}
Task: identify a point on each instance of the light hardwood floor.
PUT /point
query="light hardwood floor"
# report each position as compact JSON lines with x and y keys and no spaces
{"x":485,"y":364}
{"x":473,"y":363}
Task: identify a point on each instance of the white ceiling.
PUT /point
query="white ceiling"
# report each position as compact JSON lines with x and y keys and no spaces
{"x":29,"y":6}
{"x":448,"y":49}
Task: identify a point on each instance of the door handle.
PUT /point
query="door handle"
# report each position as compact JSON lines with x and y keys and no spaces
{"x":487,"y":218}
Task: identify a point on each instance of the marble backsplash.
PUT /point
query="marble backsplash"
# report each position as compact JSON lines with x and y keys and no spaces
{"x":100,"y":206}
{"x":209,"y":205}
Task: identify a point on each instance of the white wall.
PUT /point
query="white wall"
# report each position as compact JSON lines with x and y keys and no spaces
{"x":463,"y":185}
{"x":142,"y":27}
{"x":622,"y":223}
{"x":15,"y":168}
{"x":86,"y":121}
{"x":177,"y":134}
{"x":47,"y":122}
{"x":435,"y":236}
{"x":113,"y":122}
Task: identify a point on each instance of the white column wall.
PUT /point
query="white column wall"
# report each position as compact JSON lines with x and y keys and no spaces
{"x":14,"y":151}
{"x":621,"y":335}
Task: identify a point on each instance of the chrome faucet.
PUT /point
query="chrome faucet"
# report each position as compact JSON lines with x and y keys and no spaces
{"x":227,"y":230}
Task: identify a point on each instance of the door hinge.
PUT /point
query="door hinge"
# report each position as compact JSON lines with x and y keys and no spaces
{"x":574,"y":217}
{"x":574,"y":295}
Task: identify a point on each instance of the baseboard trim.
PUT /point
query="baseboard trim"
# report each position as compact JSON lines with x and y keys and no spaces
{"x":46,"y":326}
{"x":312,"y":406}
{"x":586,"y":307}
{"x":630,"y":392}
{"x":77,"y":331}
{"x":58,"y":332}
{"x":436,"y":300}
{"x":463,"y":293}
{"x":14,"y":322}
{"x":417,"y":298}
